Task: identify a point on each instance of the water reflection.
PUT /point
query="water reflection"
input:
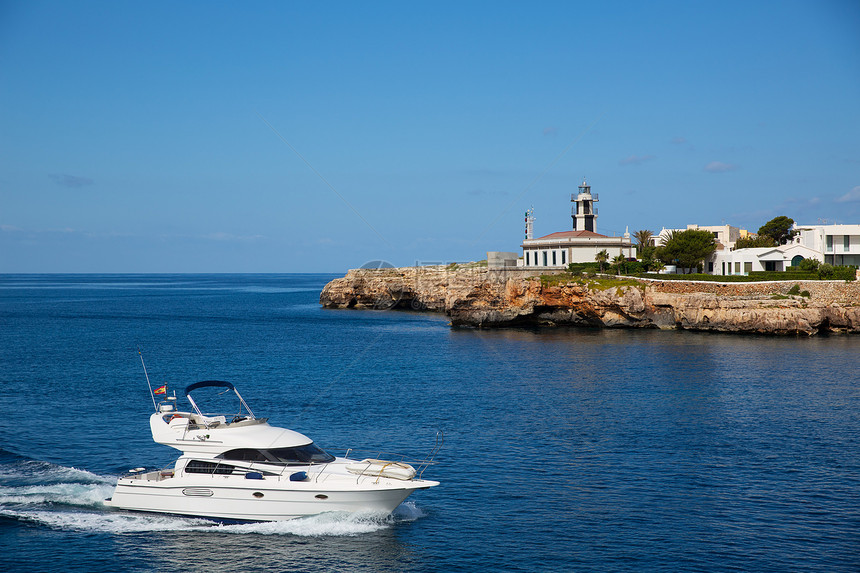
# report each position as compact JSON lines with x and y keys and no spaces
{"x":272,"y":550}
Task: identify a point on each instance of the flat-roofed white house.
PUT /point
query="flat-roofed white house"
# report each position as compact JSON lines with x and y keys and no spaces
{"x":744,"y":261}
{"x":837,"y":244}
{"x":725,"y":235}
{"x":581,"y":245}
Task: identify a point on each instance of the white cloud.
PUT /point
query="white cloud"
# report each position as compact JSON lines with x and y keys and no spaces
{"x":719,"y":167}
{"x":851,"y":196}
{"x":636,"y":159}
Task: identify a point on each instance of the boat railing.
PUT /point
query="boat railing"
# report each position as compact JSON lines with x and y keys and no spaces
{"x":420,"y":464}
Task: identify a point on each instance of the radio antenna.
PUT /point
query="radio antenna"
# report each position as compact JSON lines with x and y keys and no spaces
{"x":151,"y":395}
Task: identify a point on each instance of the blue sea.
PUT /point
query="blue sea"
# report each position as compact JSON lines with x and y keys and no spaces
{"x":565,"y":449}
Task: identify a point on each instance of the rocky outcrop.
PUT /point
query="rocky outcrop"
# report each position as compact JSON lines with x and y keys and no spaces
{"x":484,"y":298}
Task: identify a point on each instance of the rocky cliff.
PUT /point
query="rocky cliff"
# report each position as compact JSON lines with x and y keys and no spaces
{"x":484,"y":298}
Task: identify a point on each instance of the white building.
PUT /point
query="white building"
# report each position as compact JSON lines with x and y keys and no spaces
{"x":565,"y":247}
{"x":837,"y":244}
{"x":580,"y":245}
{"x":744,"y":261}
{"x":725,"y":235}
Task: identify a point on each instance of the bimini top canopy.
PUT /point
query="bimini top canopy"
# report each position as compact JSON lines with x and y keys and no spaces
{"x":208,"y":384}
{"x":217,"y":384}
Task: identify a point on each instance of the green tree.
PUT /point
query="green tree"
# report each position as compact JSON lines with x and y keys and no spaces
{"x":643,"y":238}
{"x":618,"y":262}
{"x":778,"y":229}
{"x":601,"y":258}
{"x":688,"y":249}
{"x":644,"y":246}
{"x":752,"y":242}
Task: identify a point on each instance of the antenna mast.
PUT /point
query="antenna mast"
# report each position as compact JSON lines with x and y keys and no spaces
{"x":151,"y":395}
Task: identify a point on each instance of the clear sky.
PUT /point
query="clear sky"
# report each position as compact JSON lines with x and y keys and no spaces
{"x":160,"y":136}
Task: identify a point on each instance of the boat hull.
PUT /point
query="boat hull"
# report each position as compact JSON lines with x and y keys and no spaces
{"x":255,"y":500}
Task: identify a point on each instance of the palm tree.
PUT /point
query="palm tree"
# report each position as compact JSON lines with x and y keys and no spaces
{"x":617,"y":261}
{"x":643,"y":238}
{"x":601,"y":258}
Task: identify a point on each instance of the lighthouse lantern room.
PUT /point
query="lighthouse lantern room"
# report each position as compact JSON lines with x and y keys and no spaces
{"x":583,"y":211}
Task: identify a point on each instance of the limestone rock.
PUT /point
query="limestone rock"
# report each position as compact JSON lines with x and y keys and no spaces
{"x":483,"y":298}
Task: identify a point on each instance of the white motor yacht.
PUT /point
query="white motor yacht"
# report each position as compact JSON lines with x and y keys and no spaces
{"x":237,"y":467}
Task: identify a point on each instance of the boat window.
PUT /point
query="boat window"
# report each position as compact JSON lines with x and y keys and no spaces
{"x":310,"y":453}
{"x":201,"y":467}
{"x":245,"y":455}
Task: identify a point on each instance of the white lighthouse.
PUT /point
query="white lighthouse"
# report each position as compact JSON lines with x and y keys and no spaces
{"x":530,"y":223}
{"x":583,"y":211}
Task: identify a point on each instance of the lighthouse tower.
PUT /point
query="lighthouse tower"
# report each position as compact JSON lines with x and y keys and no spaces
{"x":530,"y":223}
{"x":583,"y":211}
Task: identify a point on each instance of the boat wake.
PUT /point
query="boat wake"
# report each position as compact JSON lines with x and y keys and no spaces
{"x":48,"y":495}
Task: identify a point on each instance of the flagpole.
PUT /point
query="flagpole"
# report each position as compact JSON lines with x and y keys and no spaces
{"x":151,"y":395}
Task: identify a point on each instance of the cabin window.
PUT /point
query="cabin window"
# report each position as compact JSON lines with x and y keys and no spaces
{"x":245,"y":455}
{"x":201,"y":467}
{"x":308,"y":454}
{"x":301,"y":455}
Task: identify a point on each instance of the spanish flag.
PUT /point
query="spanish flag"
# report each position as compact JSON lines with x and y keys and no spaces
{"x":160,"y":390}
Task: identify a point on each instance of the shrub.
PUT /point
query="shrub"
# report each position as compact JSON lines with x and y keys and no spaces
{"x":809,"y":265}
{"x":795,"y":290}
{"x":578,"y":268}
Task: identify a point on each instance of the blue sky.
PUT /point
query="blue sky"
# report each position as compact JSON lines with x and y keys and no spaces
{"x":135,"y":137}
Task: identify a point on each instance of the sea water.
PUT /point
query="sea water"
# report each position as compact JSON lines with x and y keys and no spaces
{"x":565,"y":449}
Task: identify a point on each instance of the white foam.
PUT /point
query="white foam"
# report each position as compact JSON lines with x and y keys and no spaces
{"x":80,"y":494}
{"x":107,"y":522}
{"x":325,"y":524}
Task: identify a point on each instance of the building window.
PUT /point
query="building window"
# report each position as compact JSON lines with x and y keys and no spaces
{"x":737,"y":267}
{"x":527,"y":259}
{"x":563,"y":253}
{"x":830,"y":243}
{"x":544,"y":258}
{"x":747,"y":268}
{"x":711,"y":267}
{"x":553,"y":259}
{"x":846,"y":242}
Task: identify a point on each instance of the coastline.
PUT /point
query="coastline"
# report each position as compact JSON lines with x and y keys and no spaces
{"x":479,"y":297}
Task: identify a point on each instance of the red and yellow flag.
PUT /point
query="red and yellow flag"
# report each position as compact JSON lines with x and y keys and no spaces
{"x":160,"y":390}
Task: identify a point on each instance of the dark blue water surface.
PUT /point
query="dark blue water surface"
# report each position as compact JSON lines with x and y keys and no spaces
{"x":565,"y":450}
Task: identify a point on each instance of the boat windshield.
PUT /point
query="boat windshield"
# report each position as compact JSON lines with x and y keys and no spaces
{"x":299,"y":455}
